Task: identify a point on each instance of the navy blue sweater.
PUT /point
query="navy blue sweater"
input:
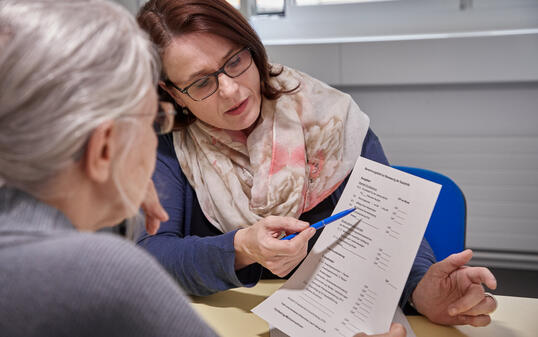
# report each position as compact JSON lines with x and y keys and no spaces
{"x":202,"y":258}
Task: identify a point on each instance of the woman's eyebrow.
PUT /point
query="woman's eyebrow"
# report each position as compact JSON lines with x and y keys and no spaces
{"x":204,"y":71}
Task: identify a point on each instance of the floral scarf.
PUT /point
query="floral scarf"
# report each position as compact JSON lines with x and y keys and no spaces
{"x":302,"y":148}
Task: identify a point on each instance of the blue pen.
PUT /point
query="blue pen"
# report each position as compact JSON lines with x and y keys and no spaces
{"x":324,"y":222}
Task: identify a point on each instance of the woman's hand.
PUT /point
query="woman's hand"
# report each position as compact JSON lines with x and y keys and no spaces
{"x":396,"y":330}
{"x":260,"y":243}
{"x":451,"y":293}
{"x":153,"y":210}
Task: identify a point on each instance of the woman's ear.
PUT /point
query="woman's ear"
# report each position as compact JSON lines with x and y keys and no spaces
{"x":174,"y":94}
{"x":100,"y":152}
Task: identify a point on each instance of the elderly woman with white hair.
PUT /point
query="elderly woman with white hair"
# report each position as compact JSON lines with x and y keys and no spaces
{"x":77,"y":149}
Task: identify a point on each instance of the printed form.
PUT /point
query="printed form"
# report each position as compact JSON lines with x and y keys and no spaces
{"x":353,"y":277}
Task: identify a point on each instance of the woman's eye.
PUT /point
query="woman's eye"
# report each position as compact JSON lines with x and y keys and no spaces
{"x":202,"y":83}
{"x":234,"y":62}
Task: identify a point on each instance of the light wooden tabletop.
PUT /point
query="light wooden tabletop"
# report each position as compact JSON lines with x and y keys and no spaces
{"x":229,"y":314}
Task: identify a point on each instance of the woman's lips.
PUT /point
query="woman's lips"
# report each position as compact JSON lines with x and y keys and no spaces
{"x":238,"y":109}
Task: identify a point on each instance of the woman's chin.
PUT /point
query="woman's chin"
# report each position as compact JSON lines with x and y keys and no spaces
{"x":249,"y":123}
{"x":251,"y":127}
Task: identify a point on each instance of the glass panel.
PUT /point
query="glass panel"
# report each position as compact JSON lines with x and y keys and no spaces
{"x":235,"y":3}
{"x":269,"y":6}
{"x":329,"y":2}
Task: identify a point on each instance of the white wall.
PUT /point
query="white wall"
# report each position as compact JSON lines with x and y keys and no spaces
{"x":485,"y":137}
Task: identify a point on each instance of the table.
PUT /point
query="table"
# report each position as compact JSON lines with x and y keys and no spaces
{"x":228,"y":313}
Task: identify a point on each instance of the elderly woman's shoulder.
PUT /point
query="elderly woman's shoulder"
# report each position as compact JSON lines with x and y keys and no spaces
{"x":96,"y":251}
{"x":88,"y":259}
{"x":91,"y":280}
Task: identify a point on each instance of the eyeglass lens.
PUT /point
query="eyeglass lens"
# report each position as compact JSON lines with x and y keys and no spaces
{"x":164,"y":121}
{"x":234,"y":67}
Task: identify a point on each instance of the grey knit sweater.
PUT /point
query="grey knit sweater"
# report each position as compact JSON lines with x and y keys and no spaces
{"x":56,"y":281}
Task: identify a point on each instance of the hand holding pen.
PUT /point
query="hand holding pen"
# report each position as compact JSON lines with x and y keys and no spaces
{"x":260,"y":243}
{"x":324,"y":222}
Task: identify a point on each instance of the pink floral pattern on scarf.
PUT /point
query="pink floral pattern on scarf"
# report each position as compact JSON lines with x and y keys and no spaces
{"x":300,"y":151}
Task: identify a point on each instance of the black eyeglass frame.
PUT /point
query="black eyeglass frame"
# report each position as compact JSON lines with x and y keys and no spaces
{"x":216,"y":74}
{"x":164,"y":119}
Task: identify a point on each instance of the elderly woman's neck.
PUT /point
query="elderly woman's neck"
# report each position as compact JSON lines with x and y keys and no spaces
{"x":76,"y":199}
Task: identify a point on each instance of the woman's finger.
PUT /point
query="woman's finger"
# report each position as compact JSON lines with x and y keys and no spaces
{"x":481,"y":275}
{"x":396,"y":330}
{"x":153,"y":210}
{"x":480,"y":320}
{"x":473,"y":296}
{"x":286,"y":223}
{"x":486,"y":306}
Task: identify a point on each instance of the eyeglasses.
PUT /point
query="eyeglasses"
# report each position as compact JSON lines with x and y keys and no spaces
{"x":164,"y":121}
{"x":209,"y":84}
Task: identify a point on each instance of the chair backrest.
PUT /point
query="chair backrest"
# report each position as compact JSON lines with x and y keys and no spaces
{"x":446,"y":229}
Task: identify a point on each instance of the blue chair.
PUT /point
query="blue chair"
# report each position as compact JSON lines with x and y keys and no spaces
{"x":446,"y":229}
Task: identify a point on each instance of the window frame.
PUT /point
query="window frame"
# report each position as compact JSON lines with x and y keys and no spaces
{"x":388,"y":18}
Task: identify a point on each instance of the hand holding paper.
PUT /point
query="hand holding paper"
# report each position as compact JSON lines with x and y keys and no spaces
{"x":396,"y":330}
{"x":354,"y":275}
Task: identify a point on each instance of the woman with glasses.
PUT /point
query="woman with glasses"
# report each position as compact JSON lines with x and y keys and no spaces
{"x":254,"y":140}
{"x":78,"y":114}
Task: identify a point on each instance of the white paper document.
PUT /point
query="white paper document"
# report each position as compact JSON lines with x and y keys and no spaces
{"x":353,"y":277}
{"x":399,"y":317}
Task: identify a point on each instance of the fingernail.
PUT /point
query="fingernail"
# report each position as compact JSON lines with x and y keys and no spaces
{"x":452,"y":311}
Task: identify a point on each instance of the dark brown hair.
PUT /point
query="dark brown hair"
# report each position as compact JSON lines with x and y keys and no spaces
{"x":165,"y":19}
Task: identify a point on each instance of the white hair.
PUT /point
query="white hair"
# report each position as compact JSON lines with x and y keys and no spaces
{"x":66,"y":66}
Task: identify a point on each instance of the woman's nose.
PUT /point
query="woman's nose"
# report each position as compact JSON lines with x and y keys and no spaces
{"x":227,"y":85}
